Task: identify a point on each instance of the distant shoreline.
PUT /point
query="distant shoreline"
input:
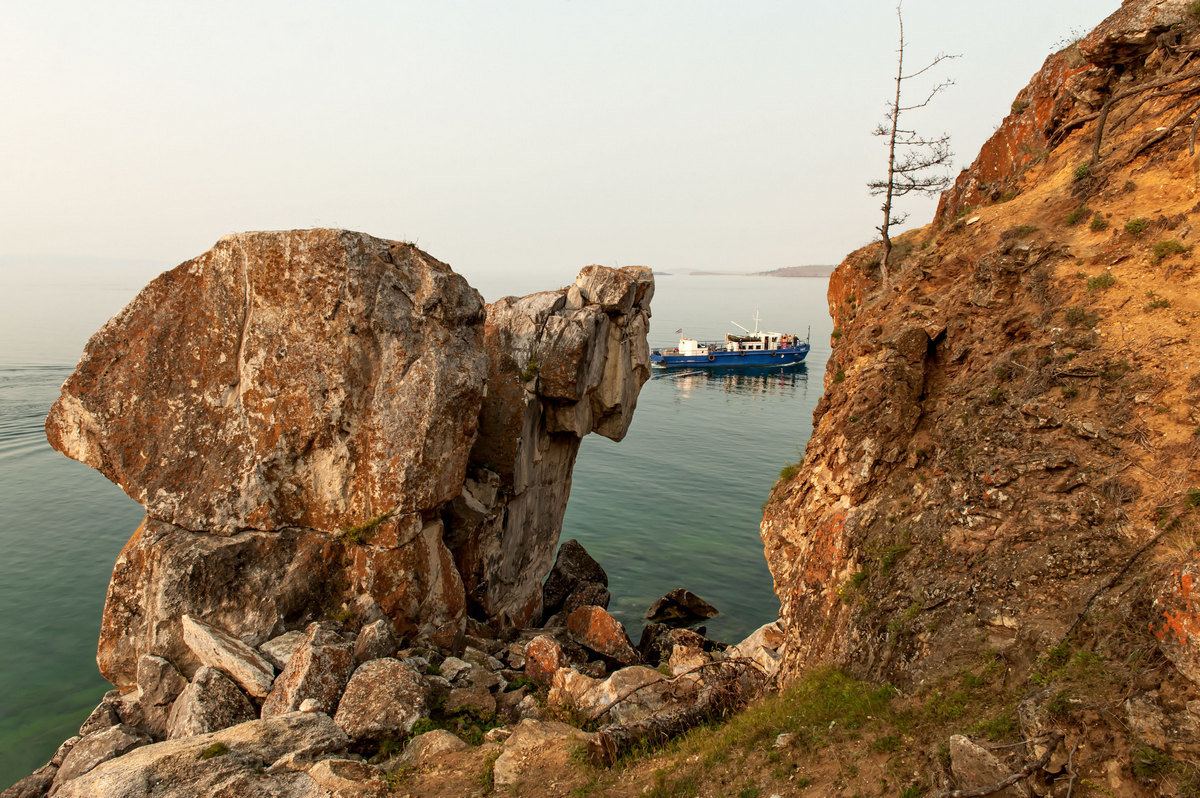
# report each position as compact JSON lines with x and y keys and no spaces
{"x":786,"y":271}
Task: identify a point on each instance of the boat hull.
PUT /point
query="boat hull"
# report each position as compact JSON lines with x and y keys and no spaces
{"x":774,"y":357}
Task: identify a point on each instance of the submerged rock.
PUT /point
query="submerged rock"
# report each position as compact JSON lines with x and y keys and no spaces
{"x":680,"y":607}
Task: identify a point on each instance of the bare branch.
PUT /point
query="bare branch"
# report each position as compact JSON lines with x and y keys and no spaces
{"x":1056,"y":737}
{"x":940,"y":58}
{"x":905,"y":174}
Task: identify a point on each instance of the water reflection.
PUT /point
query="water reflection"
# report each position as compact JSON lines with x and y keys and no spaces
{"x":779,"y":381}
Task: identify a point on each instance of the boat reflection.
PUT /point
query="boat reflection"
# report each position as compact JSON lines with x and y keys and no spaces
{"x":780,"y":380}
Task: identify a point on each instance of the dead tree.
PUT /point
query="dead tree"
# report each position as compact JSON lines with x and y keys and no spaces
{"x":910,"y":156}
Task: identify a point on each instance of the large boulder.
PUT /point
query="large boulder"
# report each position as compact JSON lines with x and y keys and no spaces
{"x":308,"y":378}
{"x":234,"y":761}
{"x":210,"y":703}
{"x":384,"y":698}
{"x":595,"y":629}
{"x":534,"y":749}
{"x":251,"y":584}
{"x":574,"y":570}
{"x":97,"y":748}
{"x":1175,"y":618}
{"x":318,"y":669}
{"x":218,"y":649}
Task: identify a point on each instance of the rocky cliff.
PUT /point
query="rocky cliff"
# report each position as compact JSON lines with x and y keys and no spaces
{"x":321,"y":422}
{"x":1004,"y":464}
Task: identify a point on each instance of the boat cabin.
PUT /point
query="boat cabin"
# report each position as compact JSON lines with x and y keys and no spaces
{"x":690,"y":346}
{"x":753,"y":343}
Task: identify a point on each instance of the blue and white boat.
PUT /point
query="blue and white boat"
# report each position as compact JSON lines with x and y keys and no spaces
{"x":752,"y":349}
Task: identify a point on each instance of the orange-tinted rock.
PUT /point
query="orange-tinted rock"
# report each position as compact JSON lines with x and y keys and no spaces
{"x":595,"y":629}
{"x":311,"y":378}
{"x":543,"y":656}
{"x":1020,"y":140}
{"x":1175,"y":619}
{"x":319,"y":669}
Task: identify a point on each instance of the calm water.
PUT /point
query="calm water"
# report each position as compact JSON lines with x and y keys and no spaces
{"x":676,"y":504}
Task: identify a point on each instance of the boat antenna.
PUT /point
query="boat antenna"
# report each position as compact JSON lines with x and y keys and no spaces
{"x":740,"y":327}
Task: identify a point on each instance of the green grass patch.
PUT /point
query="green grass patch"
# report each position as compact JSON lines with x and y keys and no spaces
{"x":358,"y":534}
{"x":214,"y":750}
{"x":1101,"y":282}
{"x":1083,"y":171}
{"x":1098,"y":223}
{"x":1078,"y":215}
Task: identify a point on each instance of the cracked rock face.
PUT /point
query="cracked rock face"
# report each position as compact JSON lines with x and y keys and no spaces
{"x":561,"y":364}
{"x":311,"y":378}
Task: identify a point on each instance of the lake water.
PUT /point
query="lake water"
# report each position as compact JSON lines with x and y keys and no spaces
{"x":676,"y":504}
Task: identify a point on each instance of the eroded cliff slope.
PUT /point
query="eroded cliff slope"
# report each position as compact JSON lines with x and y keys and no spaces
{"x":1003,"y":471}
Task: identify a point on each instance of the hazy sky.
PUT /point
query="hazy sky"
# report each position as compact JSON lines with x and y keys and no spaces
{"x":516,"y":141}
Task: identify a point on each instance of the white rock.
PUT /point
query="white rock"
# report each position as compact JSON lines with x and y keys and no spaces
{"x":217,"y":649}
{"x":278,"y":650}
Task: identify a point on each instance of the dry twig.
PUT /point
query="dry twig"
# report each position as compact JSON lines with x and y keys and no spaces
{"x":1056,"y":737}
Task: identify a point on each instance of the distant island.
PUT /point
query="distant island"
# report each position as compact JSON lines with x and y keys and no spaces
{"x":786,"y":271}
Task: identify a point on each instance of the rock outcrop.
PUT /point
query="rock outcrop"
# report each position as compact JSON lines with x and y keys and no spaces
{"x":561,"y":364}
{"x":309,"y":378}
{"x":1003,"y":466}
{"x":321,"y":423}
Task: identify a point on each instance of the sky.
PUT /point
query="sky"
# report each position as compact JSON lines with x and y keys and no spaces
{"x":516,"y":141}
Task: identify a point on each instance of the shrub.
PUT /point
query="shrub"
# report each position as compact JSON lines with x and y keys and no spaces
{"x":790,"y":470}
{"x":1098,"y":223}
{"x":1135,"y":227}
{"x":1130,"y":186}
{"x":1101,"y":281}
{"x":839,"y":376}
{"x":1019,"y":106}
{"x":1156,"y":301}
{"x":836,"y":334}
{"x":1165,"y":249}
{"x":1078,"y":215}
{"x":1082,"y":171}
{"x":357,"y":534}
